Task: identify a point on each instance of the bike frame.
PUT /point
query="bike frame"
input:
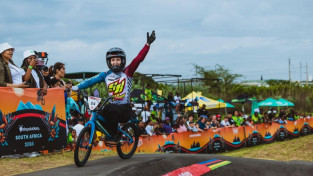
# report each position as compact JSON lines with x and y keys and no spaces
{"x":94,"y":122}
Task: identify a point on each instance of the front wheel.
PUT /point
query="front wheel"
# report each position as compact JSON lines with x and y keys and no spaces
{"x":83,"y":147}
{"x":128,"y":142}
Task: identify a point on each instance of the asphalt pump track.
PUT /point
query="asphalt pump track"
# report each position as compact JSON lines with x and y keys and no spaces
{"x":161,"y":164}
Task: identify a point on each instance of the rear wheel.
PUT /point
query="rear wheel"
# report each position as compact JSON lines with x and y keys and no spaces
{"x":127,"y":145}
{"x":83,"y":147}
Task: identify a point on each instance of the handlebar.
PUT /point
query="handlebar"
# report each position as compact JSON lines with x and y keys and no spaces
{"x":105,"y":100}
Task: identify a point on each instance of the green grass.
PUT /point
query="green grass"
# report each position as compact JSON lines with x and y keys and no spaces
{"x":12,"y":166}
{"x":296,"y":149}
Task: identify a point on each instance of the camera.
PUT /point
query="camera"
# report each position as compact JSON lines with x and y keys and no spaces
{"x":42,"y":59}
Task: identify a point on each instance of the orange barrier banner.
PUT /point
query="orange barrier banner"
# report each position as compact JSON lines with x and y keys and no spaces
{"x":30,"y":121}
{"x":221,"y":139}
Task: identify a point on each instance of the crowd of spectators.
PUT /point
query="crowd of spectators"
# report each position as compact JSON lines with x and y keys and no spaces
{"x":33,"y":74}
{"x":185,"y":121}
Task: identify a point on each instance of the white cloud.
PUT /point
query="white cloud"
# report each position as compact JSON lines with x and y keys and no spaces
{"x":236,"y":34}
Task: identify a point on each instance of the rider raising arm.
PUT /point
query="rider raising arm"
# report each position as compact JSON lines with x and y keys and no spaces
{"x":118,"y":81}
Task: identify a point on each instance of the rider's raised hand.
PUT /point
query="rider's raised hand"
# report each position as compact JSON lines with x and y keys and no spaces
{"x":151,"y":38}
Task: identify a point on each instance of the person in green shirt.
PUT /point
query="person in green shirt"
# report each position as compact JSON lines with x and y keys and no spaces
{"x":237,"y":119}
{"x":148,"y":95}
{"x":154,"y":115}
{"x":257,"y":118}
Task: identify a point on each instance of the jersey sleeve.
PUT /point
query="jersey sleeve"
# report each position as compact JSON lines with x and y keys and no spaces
{"x":92,"y":81}
{"x":132,"y":67}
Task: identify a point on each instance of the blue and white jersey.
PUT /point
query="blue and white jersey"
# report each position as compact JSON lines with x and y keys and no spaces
{"x":118,"y":84}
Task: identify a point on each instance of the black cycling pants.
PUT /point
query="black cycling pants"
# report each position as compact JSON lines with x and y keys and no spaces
{"x":115,"y":114}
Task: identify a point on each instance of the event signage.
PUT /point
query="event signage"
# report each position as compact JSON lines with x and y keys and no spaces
{"x":30,"y":125}
{"x":221,"y":139}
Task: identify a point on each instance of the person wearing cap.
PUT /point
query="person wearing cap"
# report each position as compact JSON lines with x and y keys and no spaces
{"x":10,"y":74}
{"x":36,"y":79}
{"x":167,"y":126}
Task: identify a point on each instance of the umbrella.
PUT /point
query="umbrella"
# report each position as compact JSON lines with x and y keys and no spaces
{"x":227,"y":104}
{"x":243,"y":98}
{"x":202,"y":100}
{"x":286,"y":102}
{"x":270,"y":102}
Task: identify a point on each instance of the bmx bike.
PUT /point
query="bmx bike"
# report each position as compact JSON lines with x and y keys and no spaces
{"x":127,"y":134}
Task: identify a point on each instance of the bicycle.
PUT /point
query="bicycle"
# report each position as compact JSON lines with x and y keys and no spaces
{"x":128,"y":134}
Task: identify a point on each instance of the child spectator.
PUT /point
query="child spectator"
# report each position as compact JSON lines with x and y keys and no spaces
{"x":71,"y":140}
{"x":159,"y":130}
{"x":225,"y":122}
{"x":190,"y":119}
{"x":150,"y":127}
{"x":142,"y":129}
{"x":181,"y":127}
{"x":167,"y":126}
{"x":192,"y":127}
{"x":145,"y":114}
{"x":249,"y":122}
{"x":214,"y":123}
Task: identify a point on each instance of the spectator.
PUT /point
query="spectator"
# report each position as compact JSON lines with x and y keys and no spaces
{"x":249,"y":122}
{"x":202,"y":111}
{"x":167,"y":126}
{"x":190,"y":119}
{"x":218,"y":117}
{"x":10,"y":74}
{"x":256,"y":117}
{"x":148,"y":96}
{"x":192,"y":127}
{"x":230,"y":119}
{"x":159,"y":130}
{"x":134,"y":114}
{"x":281,"y":120}
{"x":168,"y":111}
{"x":79,"y":126}
{"x":177,"y":99}
{"x":170,"y":97}
{"x":150,"y":127}
{"x":154,"y":115}
{"x":142,"y":129}
{"x":145,"y":114}
{"x":265,"y":117}
{"x":238,"y":120}
{"x":161,"y":115}
{"x":225,"y":122}
{"x":202,"y":123}
{"x":70,"y":105}
{"x":57,"y":71}
{"x":72,"y":138}
{"x":54,"y":82}
{"x":36,"y":79}
{"x":181,"y":125}
{"x":214,"y":123}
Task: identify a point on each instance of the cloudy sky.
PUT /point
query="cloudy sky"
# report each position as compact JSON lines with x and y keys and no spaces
{"x":249,"y":37}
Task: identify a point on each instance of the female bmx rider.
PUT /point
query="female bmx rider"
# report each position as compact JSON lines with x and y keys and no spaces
{"x":119,"y":82}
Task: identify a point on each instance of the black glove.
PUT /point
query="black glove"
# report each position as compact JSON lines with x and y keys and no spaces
{"x":151,"y":38}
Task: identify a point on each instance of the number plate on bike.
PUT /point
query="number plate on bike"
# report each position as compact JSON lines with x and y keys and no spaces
{"x":93,"y":102}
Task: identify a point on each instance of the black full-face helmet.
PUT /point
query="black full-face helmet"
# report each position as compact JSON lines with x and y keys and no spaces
{"x":116,"y":52}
